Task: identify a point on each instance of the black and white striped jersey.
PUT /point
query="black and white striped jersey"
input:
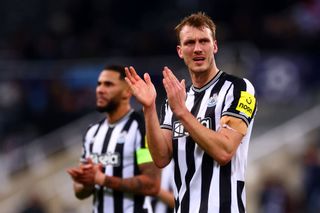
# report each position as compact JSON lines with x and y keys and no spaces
{"x":167,"y":183}
{"x":117,"y":146}
{"x":201,"y":184}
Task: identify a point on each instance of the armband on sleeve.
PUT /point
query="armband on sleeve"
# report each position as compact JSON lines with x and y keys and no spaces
{"x":143,"y":156}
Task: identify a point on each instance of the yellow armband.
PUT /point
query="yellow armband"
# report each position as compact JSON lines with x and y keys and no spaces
{"x":143,"y":156}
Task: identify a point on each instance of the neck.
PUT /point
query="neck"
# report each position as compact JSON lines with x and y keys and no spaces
{"x":199,"y":79}
{"x":121,"y":111}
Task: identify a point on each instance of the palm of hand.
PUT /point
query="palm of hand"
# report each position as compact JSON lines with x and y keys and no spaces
{"x":146,"y":94}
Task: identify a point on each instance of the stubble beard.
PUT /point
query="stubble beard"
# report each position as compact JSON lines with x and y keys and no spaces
{"x":108,"y":108}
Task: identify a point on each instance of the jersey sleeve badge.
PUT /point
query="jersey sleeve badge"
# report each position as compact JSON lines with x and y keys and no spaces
{"x":246,"y":103}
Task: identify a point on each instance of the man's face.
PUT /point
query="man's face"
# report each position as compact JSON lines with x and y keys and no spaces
{"x":109,"y":91}
{"x":197,"y":48}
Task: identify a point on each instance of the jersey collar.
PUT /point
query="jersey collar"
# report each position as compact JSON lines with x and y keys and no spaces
{"x":211,"y":82}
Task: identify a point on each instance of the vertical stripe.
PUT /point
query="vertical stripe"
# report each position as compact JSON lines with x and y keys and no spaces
{"x":238,"y":86}
{"x":240,"y":187}
{"x":94,"y":136}
{"x":101,"y":190}
{"x":138,"y":199}
{"x":225,"y":188}
{"x":117,"y":172}
{"x":207,"y":171}
{"x":208,"y":161}
{"x":190,"y":146}
{"x":84,"y":154}
{"x":177,"y":174}
{"x":106,"y":140}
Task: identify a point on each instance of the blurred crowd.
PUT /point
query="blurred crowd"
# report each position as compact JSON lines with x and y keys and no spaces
{"x":31,"y":108}
{"x":80,"y":29}
{"x":276,"y":195}
{"x":34,"y":103}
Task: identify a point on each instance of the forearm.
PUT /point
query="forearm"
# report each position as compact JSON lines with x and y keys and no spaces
{"x":81,"y":191}
{"x":217,"y":145}
{"x":141,"y":184}
{"x":158,"y":144}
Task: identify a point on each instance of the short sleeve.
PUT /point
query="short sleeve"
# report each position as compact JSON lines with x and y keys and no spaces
{"x":165,"y":116}
{"x":240,"y":101}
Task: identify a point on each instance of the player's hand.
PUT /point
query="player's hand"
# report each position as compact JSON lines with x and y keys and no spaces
{"x":142,"y":89}
{"x":83,"y":174}
{"x":176,"y":92}
{"x":99,"y":176}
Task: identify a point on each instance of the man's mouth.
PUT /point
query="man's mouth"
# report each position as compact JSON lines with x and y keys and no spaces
{"x":199,"y":59}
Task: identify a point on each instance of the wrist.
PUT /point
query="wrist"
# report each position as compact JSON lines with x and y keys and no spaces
{"x":150,"y":108}
{"x":181,"y":113}
{"x":100,"y":179}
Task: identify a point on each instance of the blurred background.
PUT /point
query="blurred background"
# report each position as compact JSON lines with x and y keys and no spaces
{"x":51,"y":53}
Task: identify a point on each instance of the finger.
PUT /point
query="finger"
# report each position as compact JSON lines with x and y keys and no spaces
{"x":89,"y":161}
{"x":147,"y":78}
{"x":128,"y":73}
{"x":171,"y":75}
{"x":70,"y":172}
{"x":131,"y":74}
{"x":73,"y":174}
{"x":87,"y":167}
{"x":134,"y":73}
{"x":127,"y":79}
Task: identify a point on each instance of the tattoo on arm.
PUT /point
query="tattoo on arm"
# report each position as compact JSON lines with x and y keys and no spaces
{"x":146,"y":183}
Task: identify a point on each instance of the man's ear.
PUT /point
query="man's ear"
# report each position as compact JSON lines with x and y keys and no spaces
{"x":215,"y":46}
{"x":179,"y":51}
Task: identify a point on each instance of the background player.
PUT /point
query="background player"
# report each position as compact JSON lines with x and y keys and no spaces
{"x":116,"y":167}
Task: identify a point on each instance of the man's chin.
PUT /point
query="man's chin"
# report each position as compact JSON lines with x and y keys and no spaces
{"x":101,"y":109}
{"x":198,"y":69}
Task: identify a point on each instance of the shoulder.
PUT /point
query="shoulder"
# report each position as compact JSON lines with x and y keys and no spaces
{"x":93,"y":127}
{"x":238,"y":81}
{"x":137,"y":115}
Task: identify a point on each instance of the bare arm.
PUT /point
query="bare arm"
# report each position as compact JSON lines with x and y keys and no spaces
{"x":81,"y":191}
{"x":148,"y":183}
{"x":159,"y":141}
{"x":83,"y":180}
{"x":220,"y":145}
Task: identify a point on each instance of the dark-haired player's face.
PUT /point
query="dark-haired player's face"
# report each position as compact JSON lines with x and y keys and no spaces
{"x":109,"y":91}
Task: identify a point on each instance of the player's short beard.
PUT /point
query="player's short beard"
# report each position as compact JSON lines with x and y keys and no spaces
{"x":109,"y":108}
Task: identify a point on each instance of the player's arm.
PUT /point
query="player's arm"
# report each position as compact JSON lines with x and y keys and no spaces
{"x":220,"y":145}
{"x":147,"y":183}
{"x":81,"y":191}
{"x":159,"y":140}
{"x":83,"y":180}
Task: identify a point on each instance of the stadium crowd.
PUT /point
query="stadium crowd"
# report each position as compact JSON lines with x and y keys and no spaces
{"x":286,"y":33}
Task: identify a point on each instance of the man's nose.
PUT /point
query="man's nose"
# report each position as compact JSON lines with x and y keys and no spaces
{"x":197,"y":47}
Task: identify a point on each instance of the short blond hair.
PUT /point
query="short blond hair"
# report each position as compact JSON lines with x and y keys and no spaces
{"x":197,"y":20}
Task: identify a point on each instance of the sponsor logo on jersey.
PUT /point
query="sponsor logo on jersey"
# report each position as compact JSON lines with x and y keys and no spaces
{"x":213,"y":100}
{"x":179,"y":130}
{"x":106,"y":159}
{"x":246,"y":103}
